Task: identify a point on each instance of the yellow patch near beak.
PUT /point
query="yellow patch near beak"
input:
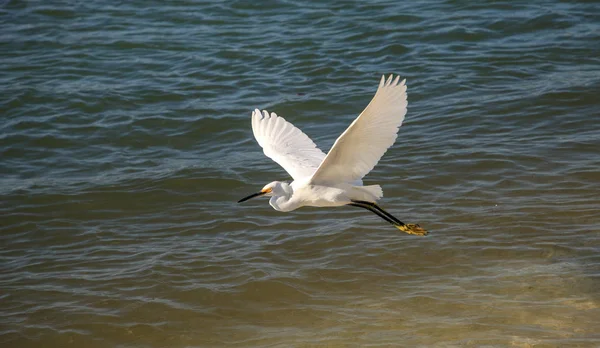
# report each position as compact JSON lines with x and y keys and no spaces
{"x":266,"y":190}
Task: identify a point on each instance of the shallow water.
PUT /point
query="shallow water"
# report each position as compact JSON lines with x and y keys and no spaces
{"x":126,"y":141}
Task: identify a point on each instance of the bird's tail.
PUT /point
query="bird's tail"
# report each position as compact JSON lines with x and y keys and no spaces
{"x":370,"y":193}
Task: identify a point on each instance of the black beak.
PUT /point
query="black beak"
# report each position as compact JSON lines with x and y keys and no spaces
{"x":251,"y":196}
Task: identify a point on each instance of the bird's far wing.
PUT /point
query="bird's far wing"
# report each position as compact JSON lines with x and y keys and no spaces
{"x":286,"y":144}
{"x":359,"y":148}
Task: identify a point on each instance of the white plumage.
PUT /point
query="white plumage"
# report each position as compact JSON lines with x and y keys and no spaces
{"x":356,"y":152}
{"x":286,"y":144}
{"x":334,"y":179}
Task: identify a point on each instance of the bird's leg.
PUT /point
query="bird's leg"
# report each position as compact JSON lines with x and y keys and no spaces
{"x":374,"y":205}
{"x":370,"y":208}
{"x":408,"y":228}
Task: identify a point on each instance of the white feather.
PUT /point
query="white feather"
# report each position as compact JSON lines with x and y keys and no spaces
{"x":356,"y":152}
{"x":286,"y":144}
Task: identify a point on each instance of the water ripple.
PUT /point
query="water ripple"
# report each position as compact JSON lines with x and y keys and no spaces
{"x":126,"y":142}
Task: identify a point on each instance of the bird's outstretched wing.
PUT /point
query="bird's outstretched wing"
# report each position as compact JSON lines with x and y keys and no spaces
{"x":286,"y":144}
{"x":359,"y":148}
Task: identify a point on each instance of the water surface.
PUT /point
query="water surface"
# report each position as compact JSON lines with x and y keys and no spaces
{"x":125,"y":142}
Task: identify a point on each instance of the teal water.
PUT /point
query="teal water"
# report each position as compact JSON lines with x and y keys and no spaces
{"x":125,"y":143}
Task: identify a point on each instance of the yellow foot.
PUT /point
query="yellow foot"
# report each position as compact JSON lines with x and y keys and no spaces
{"x":412,"y":229}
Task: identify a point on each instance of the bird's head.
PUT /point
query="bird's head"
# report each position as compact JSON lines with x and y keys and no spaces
{"x":275,"y":188}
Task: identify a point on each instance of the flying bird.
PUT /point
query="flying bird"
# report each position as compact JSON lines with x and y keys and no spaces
{"x":334,"y":179}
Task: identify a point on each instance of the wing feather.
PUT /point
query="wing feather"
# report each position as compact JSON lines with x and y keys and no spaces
{"x":285,"y":144}
{"x":356,"y":152}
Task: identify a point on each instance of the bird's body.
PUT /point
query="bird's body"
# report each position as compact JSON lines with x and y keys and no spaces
{"x":303,"y":193}
{"x":334,"y":179}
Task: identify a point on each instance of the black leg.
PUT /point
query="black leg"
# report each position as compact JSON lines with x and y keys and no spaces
{"x":370,"y":208}
{"x":380,"y":209}
{"x":373,"y":207}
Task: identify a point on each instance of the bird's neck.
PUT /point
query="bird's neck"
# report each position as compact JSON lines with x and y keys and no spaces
{"x":282,"y":201}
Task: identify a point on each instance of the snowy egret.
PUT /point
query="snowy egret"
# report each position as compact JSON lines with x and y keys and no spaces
{"x":334,"y":179}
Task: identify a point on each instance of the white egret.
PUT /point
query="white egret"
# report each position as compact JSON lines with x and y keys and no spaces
{"x":334,"y":179}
